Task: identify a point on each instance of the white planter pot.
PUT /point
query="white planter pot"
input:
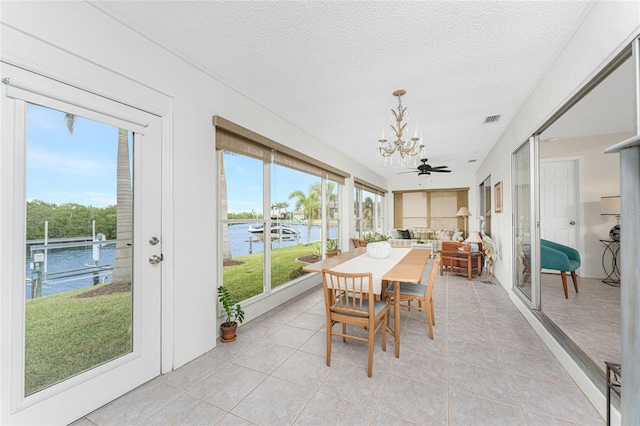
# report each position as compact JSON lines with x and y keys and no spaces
{"x":379,"y":250}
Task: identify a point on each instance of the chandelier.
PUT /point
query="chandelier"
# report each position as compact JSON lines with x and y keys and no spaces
{"x":406,"y":149}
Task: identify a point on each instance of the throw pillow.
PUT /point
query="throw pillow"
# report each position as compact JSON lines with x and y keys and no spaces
{"x":404,"y":234}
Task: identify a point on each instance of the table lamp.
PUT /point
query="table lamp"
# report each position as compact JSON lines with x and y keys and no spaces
{"x":610,"y":206}
{"x":466,"y":213}
{"x":474,"y":242}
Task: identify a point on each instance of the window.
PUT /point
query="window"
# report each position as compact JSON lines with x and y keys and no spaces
{"x":485,"y":204}
{"x":332,"y":215}
{"x":279,"y":210}
{"x":295,"y":233}
{"x":242,"y":219}
{"x":434,"y":209}
{"x":368,"y":208}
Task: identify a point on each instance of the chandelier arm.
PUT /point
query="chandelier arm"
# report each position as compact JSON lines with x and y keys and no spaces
{"x":402,"y":128}
{"x":405,"y":149}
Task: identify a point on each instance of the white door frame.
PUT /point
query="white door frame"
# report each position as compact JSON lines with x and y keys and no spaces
{"x":9,"y":209}
{"x":579,"y":228}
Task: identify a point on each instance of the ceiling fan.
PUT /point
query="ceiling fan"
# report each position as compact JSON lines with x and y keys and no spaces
{"x":426,"y":169}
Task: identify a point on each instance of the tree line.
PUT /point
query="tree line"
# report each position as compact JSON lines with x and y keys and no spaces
{"x":69,"y":220}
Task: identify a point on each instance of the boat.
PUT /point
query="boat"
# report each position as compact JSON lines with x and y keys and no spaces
{"x":278,"y":230}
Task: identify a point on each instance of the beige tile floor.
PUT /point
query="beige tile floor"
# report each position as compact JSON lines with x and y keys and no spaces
{"x":486,"y":366}
{"x":591,"y":317}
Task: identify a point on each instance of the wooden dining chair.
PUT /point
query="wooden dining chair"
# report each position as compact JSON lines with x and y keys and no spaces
{"x":348,"y":299}
{"x":332,"y":253}
{"x":420,"y":293}
{"x":358,"y":242}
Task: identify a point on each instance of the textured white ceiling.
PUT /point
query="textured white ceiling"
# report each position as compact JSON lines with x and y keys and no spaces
{"x":331,"y":67}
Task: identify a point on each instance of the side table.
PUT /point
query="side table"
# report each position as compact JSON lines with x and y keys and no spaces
{"x":611,"y":249}
{"x":460,"y":262}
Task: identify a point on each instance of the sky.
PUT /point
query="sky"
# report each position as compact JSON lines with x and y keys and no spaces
{"x":81,"y":167}
{"x":244,"y":183}
{"x":70,"y":168}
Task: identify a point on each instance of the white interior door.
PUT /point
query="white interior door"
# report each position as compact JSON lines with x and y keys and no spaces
{"x":559,"y":201}
{"x":116,"y":316}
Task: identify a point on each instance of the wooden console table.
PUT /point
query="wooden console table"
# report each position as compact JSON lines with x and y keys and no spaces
{"x":462,"y":262}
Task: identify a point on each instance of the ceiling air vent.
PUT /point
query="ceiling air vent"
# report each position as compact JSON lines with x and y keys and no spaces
{"x":492,"y":119}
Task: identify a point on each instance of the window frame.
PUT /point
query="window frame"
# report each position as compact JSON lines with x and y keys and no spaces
{"x":230,"y":137}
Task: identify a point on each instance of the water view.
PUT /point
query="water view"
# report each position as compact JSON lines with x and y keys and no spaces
{"x":69,"y":268}
{"x":243,"y":242}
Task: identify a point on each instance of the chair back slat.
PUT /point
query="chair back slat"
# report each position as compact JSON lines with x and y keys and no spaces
{"x":349,"y":300}
{"x":358,"y":242}
{"x":332,"y":253}
{"x":432,"y":276}
{"x":408,"y":292}
{"x":348,"y":291}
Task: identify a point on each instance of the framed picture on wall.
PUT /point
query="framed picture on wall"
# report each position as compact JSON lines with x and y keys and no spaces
{"x":498,"y":197}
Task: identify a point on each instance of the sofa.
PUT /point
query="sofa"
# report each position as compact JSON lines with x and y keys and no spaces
{"x":408,"y":237}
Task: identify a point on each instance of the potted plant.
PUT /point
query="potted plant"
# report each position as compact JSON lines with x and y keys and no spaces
{"x":234,"y":314}
{"x":375,"y":237}
{"x":377,"y":245}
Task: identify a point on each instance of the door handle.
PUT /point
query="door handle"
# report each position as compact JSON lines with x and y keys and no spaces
{"x":155,"y":259}
{"x":573,"y":222}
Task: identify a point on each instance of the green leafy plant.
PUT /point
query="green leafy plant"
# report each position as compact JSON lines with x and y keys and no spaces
{"x":295,"y":273}
{"x":374,"y":237}
{"x":332,"y":244}
{"x":316,"y":250}
{"x":232,"y":309}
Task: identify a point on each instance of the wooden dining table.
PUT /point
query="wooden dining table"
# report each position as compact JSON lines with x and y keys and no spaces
{"x":409,"y":268}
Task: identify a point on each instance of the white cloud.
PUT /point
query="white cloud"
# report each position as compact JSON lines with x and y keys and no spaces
{"x":98,"y":199}
{"x":44,"y":159}
{"x":44,"y":119}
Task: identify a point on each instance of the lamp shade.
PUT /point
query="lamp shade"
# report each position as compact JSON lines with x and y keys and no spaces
{"x":463,"y":212}
{"x":609,"y":206}
{"x":473,"y":238}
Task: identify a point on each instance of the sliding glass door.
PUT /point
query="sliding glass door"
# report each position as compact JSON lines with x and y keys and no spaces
{"x":525,"y":222}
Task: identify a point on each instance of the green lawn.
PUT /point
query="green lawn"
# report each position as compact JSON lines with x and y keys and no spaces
{"x":65,"y":335}
{"x":246,"y":280}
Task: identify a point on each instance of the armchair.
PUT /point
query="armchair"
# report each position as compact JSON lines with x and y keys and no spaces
{"x":560,"y":258}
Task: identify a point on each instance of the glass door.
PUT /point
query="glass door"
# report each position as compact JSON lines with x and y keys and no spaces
{"x":525,"y":228}
{"x":85,"y":301}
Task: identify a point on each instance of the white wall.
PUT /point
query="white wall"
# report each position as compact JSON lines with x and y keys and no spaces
{"x":603,"y":33}
{"x":49,"y":36}
{"x":607,"y":28}
{"x":601,"y":177}
{"x":61,"y":32}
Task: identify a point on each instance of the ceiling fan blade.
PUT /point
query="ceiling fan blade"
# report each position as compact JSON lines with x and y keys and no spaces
{"x":439,"y":167}
{"x":441,"y":171}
